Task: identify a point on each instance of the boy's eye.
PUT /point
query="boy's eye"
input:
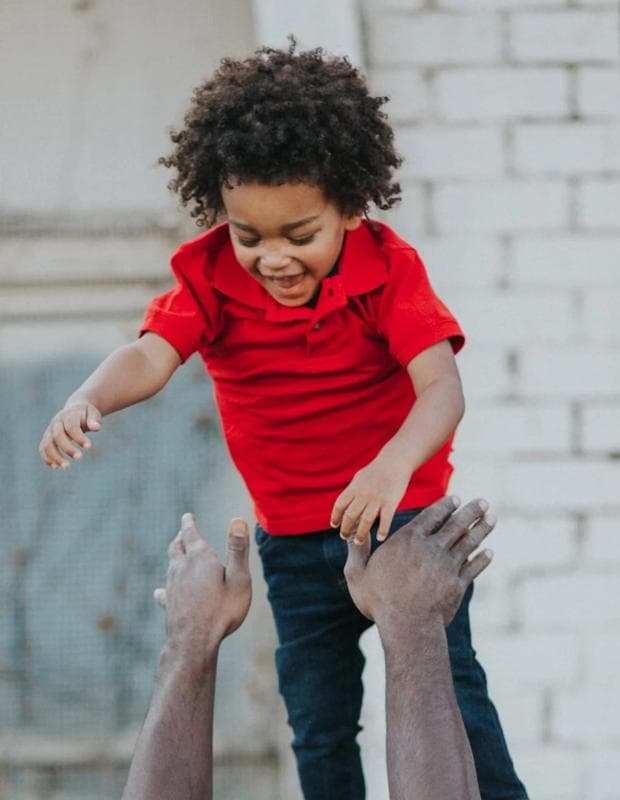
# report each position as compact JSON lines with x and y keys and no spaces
{"x":248,"y":242}
{"x":303,"y":239}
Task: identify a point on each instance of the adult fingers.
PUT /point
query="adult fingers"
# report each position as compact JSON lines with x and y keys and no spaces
{"x":430,"y":520}
{"x":473,"y":537}
{"x":460,"y":522}
{"x":471,"y":569}
{"x":238,"y":549}
{"x":357,"y":558}
{"x":160,"y":597}
{"x":189,"y":533}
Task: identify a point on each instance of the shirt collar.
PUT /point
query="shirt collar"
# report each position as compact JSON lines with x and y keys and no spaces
{"x":362,"y":267}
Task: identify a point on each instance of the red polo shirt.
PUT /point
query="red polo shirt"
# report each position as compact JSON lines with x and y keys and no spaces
{"x":308,"y":396}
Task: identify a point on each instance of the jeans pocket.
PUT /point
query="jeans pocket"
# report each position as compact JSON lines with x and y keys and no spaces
{"x":262,"y":539}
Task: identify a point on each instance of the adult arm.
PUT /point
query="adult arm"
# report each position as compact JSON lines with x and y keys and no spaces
{"x":412,"y":586}
{"x":128,"y":375}
{"x":204,"y":602}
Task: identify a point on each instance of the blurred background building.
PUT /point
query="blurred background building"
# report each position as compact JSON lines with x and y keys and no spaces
{"x":507,"y":113}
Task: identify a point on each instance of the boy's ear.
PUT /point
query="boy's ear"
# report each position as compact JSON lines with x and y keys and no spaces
{"x":353,"y":221}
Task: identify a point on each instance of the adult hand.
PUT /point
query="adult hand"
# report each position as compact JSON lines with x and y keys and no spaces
{"x":423,"y":570}
{"x":205,"y":601}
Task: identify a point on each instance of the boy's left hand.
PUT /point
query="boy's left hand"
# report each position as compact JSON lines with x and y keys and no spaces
{"x":375,"y":491}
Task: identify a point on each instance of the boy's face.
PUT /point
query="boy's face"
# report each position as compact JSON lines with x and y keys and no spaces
{"x":288,"y":237}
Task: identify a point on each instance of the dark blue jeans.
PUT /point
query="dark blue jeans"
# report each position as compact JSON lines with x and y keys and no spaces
{"x":320,"y":665}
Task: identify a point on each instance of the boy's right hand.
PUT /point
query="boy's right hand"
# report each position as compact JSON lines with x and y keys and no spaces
{"x":65,"y":435}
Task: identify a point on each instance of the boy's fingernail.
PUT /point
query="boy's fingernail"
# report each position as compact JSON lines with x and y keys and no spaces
{"x":77,"y":456}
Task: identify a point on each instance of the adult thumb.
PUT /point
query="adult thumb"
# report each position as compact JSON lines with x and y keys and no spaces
{"x":357,"y":558}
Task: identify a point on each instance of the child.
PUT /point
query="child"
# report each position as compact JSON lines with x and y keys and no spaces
{"x":333,"y":367}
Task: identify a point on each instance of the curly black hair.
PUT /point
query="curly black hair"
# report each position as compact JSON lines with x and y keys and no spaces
{"x":279,"y":116}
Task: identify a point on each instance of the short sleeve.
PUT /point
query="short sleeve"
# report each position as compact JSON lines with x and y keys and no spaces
{"x":411,"y":316}
{"x":187,"y":315}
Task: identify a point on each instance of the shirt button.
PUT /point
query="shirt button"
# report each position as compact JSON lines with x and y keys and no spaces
{"x":316,"y":327}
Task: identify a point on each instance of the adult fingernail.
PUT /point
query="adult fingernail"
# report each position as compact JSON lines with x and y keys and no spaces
{"x":484,"y":505}
{"x":490,"y":519}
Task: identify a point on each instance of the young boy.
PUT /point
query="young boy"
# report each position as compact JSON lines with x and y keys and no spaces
{"x":332,"y":362}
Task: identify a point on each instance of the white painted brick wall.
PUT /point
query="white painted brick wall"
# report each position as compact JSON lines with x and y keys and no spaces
{"x":571,"y":149}
{"x":501,"y":206}
{"x":502,"y":93}
{"x":598,"y":92}
{"x":432,"y":38}
{"x":522,"y":240}
{"x":599,"y":201}
{"x":455,"y":152}
{"x":565,"y":36}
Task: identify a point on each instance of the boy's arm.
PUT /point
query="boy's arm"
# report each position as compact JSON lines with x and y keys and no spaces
{"x":376,"y":490}
{"x":130,"y":374}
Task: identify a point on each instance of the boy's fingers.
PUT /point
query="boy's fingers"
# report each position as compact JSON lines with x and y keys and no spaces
{"x":340,"y":506}
{"x":471,"y":569}
{"x":176,"y":547}
{"x":350,"y":518}
{"x":385,"y":520}
{"x":93,"y":418}
{"x":430,"y":520}
{"x":366,"y":520}
{"x":238,"y":548}
{"x":473,"y":538}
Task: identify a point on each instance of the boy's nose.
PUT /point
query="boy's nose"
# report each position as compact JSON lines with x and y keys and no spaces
{"x":274,"y":261}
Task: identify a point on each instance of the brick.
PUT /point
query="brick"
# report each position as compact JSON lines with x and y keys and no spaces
{"x":439,"y":152}
{"x":112,"y":302}
{"x":521,"y":714}
{"x":497,"y":5}
{"x":532,"y":543}
{"x":477,"y":476}
{"x":599,"y":204}
{"x":485,"y":372}
{"x":502,"y":207}
{"x":431,"y":37}
{"x":512,"y":429}
{"x":601,"y":428}
{"x":574,"y":36}
{"x":598,"y":93}
{"x":588,"y":717}
{"x":580,"y":601}
{"x":408,"y":218}
{"x":40,"y":341}
{"x":514,"y":317}
{"x":602,"y":782}
{"x":574,"y":372}
{"x":406,"y":89}
{"x":48,"y":260}
{"x":601,"y":320}
{"x":506,"y":93}
{"x":457,"y":262}
{"x":491,"y":609}
{"x":518,"y":663}
{"x":551,"y":772}
{"x":603,"y":659}
{"x":562,"y":486}
{"x":602,"y":543}
{"x":381,"y":6}
{"x":576,"y":149}
{"x":565,"y":261}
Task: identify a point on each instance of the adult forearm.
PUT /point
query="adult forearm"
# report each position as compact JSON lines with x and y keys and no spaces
{"x":428,"y":753}
{"x":173,"y":759}
{"x":127,"y":376}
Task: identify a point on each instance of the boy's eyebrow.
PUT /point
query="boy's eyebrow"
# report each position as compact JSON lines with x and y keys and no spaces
{"x":285,"y":228}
